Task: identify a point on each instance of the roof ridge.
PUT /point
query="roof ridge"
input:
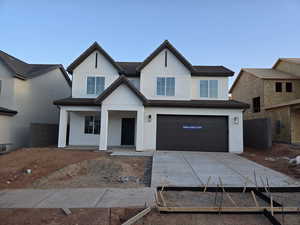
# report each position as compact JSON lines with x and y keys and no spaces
{"x":15,"y":58}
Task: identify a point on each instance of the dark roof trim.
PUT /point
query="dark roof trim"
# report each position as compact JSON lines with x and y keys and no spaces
{"x":212,"y":71}
{"x":121,"y":80}
{"x":236,"y":80}
{"x":24,"y":71}
{"x":65,"y":74}
{"x":7,"y":112}
{"x":95,"y":46}
{"x":171,"y":48}
{"x":216,"y":104}
{"x":76,"y":102}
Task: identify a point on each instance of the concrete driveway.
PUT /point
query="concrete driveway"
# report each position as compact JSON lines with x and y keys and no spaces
{"x":194,"y":168}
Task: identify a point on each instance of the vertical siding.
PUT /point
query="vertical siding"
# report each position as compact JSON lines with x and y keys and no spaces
{"x":175,"y":69}
{"x":87,"y":68}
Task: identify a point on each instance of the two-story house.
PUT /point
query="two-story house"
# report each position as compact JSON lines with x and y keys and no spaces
{"x":161,"y":103}
{"x":273,"y":93}
{"x":27,"y":92}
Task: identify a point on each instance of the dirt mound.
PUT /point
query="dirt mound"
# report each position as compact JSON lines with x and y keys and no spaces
{"x":99,"y":172}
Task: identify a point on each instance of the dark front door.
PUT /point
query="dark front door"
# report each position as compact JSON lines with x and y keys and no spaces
{"x":127,"y":133}
{"x":192,"y":133}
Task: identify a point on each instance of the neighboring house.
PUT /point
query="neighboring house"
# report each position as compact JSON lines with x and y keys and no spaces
{"x":27,"y":92}
{"x":162,"y":103}
{"x":273,"y":93}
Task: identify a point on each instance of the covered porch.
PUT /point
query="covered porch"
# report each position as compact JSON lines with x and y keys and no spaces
{"x":79,"y":126}
{"x":121,"y":128}
{"x":100,"y":128}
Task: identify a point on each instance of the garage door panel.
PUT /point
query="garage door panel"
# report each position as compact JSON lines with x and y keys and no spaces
{"x":192,"y":133}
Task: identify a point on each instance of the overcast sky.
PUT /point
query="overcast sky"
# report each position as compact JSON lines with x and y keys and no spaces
{"x":233,"y":33}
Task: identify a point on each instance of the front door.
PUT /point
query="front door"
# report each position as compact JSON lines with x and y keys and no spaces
{"x":128,"y":130}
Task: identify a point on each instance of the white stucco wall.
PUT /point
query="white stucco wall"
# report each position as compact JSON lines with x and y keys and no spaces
{"x":87,"y":68}
{"x":33,"y":99}
{"x":115,"y":126}
{"x":7,"y":90}
{"x":235,"y":130}
{"x":77,"y":135}
{"x":222,"y":88}
{"x":122,"y":99}
{"x":156,"y":68}
{"x":6,"y":136}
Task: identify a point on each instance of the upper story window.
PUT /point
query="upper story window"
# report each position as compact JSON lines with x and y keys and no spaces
{"x":92,"y":124}
{"x":289,"y":87}
{"x":165,"y":86}
{"x":278,"y":87}
{"x":95,"y":85}
{"x":209,"y":88}
{"x":256,"y":104}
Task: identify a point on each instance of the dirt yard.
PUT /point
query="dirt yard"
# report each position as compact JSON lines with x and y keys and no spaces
{"x":56,"y":168}
{"x":117,"y":216}
{"x":276,"y":158}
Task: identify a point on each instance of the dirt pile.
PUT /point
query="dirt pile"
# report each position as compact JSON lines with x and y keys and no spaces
{"x":102,"y":172}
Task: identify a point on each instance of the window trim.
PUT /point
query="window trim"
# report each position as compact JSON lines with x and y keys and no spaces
{"x":290,"y":89}
{"x":94,"y":132}
{"x":278,"y":88}
{"x":165,"y":86}
{"x":95,"y":84}
{"x":209,"y":89}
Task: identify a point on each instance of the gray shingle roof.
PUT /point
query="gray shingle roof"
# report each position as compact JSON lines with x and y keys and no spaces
{"x":132,"y":69}
{"x":25,"y":70}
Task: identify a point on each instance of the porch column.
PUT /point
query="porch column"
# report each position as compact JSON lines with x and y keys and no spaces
{"x":140,"y":130}
{"x":104,"y":129}
{"x":63,"y":123}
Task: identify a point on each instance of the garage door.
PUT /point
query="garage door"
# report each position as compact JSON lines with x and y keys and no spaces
{"x":192,"y":133}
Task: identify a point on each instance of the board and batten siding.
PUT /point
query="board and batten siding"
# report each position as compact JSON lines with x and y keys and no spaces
{"x":156,"y":68}
{"x":87,"y":68}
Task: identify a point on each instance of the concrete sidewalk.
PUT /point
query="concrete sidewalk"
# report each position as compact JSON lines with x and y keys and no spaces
{"x":77,"y":198}
{"x":194,"y":168}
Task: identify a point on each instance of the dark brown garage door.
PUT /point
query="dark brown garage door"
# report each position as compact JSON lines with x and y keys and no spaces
{"x":192,"y":133}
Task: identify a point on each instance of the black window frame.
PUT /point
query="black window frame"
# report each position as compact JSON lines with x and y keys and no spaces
{"x":278,"y":86}
{"x":256,"y":105}
{"x":92,"y":124}
{"x":289,"y":87}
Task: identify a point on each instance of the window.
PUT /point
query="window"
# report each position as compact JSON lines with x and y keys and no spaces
{"x":256,"y":104}
{"x":278,"y":87}
{"x":166,"y":58}
{"x":289,"y":87}
{"x":95,"y":85}
{"x":92,"y":124}
{"x":96,"y":60}
{"x":208,"y":88}
{"x":165,"y":86}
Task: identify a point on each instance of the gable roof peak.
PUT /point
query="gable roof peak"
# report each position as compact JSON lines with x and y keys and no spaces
{"x":95,"y":46}
{"x":121,"y":80}
{"x":171,"y":48}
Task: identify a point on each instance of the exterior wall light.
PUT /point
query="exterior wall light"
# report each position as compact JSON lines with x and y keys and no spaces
{"x":149,"y":118}
{"x":236,"y":120}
